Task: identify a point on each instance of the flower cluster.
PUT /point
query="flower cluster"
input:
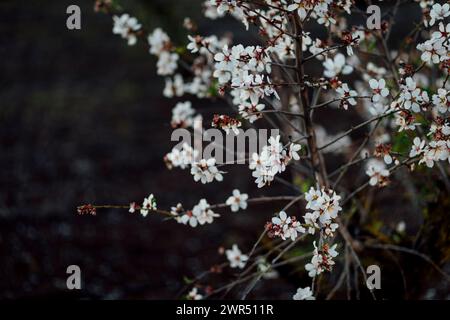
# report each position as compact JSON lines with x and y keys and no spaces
{"x":203,"y":170}
{"x":181,"y":157}
{"x":202,"y":212}
{"x":438,"y":12}
{"x":416,"y":101}
{"x":251,"y":109}
{"x":284,"y":227}
{"x":161,"y":46}
{"x":127,"y":27}
{"x":347,"y":96}
{"x":322,"y":260}
{"x":272,"y":160}
{"x":377,"y":172}
{"x":316,"y":9}
{"x":183,"y":115}
{"x":236,"y":258}
{"x":438,"y":149}
{"x":441,"y":100}
{"x":194,"y":295}
{"x":435,"y":49}
{"x":395,"y":96}
{"x":324,"y":206}
{"x":434,"y":145}
{"x":206,"y":171}
{"x":199,"y":215}
{"x":148,"y":205}
{"x":244,"y":68}
{"x":203,"y":83}
{"x":411,"y":97}
{"x":304,"y":294}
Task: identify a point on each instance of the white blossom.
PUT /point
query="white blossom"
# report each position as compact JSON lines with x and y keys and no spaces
{"x":272,"y":160}
{"x":377,"y":172}
{"x":126,"y":26}
{"x":158,"y":41}
{"x":175,"y":87}
{"x":182,"y":157}
{"x":325,"y":208}
{"x":435,"y":151}
{"x":336,"y":66}
{"x":403,"y":123}
{"x":322,"y":260}
{"x":316,"y":9}
{"x":183,"y":115}
{"x":206,"y":171}
{"x":237,"y":201}
{"x":417,"y":147}
{"x":236,"y":258}
{"x":401,"y":227}
{"x":195,"y":43}
{"x":347,"y":96}
{"x":433,"y":51}
{"x":285,"y":227}
{"x":441,"y":100}
{"x":186,"y":218}
{"x":379,"y":89}
{"x":439,"y":12}
{"x":167,"y":63}
{"x":194,"y":295}
{"x":149,"y":204}
{"x":442,"y":34}
{"x":250,"y":110}
{"x":203,"y":213}
{"x":412,"y":97}
{"x":304,"y":294}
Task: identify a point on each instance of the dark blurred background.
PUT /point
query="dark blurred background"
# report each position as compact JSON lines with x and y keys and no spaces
{"x":83,"y":120}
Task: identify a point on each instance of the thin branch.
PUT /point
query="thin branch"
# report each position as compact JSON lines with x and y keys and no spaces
{"x":361,"y":125}
{"x":410,"y":251}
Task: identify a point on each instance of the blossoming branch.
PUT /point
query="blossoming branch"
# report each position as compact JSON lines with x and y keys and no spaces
{"x":272,"y":83}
